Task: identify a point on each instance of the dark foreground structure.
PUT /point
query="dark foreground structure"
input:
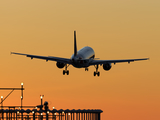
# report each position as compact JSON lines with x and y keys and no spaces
{"x":34,"y":114}
{"x":42,"y":112}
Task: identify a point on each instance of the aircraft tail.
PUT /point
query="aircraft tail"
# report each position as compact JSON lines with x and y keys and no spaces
{"x":75,"y":44}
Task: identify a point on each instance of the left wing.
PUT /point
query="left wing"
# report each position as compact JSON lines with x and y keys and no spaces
{"x":58,"y":59}
{"x":96,"y":62}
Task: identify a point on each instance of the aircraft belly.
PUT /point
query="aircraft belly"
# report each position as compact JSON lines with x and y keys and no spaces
{"x":80,"y":66}
{"x":81,"y":60}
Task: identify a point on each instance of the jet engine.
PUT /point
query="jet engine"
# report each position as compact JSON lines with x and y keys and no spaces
{"x":107,"y":66}
{"x":60,"y":65}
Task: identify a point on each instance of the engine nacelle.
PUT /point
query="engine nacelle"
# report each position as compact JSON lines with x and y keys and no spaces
{"x":107,"y":66}
{"x":60,"y":65}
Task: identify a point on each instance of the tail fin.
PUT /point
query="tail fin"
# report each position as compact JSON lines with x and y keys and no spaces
{"x":75,"y":44}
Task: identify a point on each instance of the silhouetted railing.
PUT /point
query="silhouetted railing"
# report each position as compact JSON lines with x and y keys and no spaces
{"x":34,"y":114}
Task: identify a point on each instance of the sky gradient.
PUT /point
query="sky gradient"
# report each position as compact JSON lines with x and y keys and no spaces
{"x":115,"y":29}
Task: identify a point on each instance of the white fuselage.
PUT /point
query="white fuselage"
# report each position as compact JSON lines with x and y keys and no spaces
{"x":83,"y":57}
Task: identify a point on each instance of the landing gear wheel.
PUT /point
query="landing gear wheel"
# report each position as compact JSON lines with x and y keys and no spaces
{"x":64,"y":72}
{"x":86,"y":69}
{"x":94,"y":74}
{"x":67,"y":72}
{"x":98,"y":73}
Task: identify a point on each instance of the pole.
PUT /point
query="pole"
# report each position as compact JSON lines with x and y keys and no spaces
{"x":1,"y":102}
{"x":2,"y":107}
{"x":21,"y":99}
{"x":41,"y":96}
{"x":41,"y":100}
{"x":99,"y":116}
{"x":47,"y":115}
{"x":33,"y":115}
{"x":21,"y":94}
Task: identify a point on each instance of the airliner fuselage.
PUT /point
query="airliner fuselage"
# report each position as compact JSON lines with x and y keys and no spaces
{"x":83,"y":57}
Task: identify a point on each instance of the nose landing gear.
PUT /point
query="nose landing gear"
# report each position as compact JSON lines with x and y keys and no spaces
{"x":66,"y":71}
{"x":86,"y":69}
{"x":96,"y":72}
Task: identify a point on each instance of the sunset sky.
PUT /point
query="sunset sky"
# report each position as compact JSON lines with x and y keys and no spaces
{"x":115,"y":29}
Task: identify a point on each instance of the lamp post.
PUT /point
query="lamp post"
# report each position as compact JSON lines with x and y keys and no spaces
{"x":68,"y":116}
{"x":2,"y":106}
{"x":1,"y":102}
{"x":41,"y":114}
{"x":41,"y":96}
{"x":21,"y":94}
{"x":53,"y":114}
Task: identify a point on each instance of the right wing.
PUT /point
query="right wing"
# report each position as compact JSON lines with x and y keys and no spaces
{"x":96,"y":62}
{"x":58,"y":59}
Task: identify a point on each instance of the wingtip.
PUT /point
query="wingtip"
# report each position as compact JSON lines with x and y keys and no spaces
{"x":12,"y":53}
{"x":146,"y":58}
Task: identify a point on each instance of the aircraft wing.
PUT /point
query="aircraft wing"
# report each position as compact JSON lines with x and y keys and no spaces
{"x":96,"y":62}
{"x":58,"y":59}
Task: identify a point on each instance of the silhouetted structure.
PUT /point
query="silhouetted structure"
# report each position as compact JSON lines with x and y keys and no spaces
{"x":2,"y":100}
{"x":54,"y":114}
{"x":42,"y":111}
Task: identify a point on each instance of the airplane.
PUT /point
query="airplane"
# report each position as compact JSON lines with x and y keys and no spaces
{"x":83,"y":58}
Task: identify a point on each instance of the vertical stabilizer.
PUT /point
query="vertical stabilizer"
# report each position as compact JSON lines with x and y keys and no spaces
{"x":75,"y":44}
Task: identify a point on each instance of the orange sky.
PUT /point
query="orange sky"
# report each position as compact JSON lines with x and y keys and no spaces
{"x":114,"y":29}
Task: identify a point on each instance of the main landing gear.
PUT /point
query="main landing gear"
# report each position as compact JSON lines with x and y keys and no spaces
{"x":86,"y":69}
{"x":66,"y":71}
{"x":96,"y":72}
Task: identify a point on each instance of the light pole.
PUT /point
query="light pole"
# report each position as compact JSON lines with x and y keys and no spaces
{"x":2,"y":106}
{"x":21,"y":94}
{"x":41,"y":96}
{"x":1,"y":102}
{"x":41,"y":114}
